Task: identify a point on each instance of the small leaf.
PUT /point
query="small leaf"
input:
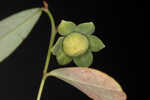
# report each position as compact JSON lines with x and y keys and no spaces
{"x":62,"y":58}
{"x":84,"y":60}
{"x":96,"y":84}
{"x":86,"y":28}
{"x":95,"y":43}
{"x":57,"y":46}
{"x":14,"y":29}
{"x":66,"y":27}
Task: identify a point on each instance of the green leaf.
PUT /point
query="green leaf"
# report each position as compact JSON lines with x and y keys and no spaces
{"x":62,"y":58}
{"x":86,"y":28}
{"x":84,"y":60}
{"x":14,"y":29}
{"x":66,"y":27}
{"x":96,"y":84}
{"x":95,"y":43}
{"x":57,"y":46}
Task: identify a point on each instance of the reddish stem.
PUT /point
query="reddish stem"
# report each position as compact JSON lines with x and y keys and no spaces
{"x":45,"y":4}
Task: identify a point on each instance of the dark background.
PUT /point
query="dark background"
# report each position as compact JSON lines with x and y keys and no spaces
{"x":116,"y":22}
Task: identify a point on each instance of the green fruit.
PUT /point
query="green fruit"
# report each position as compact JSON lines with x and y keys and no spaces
{"x":75,"y":44}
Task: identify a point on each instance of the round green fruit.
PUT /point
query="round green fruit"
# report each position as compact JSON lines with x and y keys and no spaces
{"x":75,"y":44}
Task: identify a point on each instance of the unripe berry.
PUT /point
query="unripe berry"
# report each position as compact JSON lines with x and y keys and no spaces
{"x":75,"y":44}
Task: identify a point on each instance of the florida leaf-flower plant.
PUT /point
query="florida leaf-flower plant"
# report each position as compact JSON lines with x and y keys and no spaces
{"x":76,"y":44}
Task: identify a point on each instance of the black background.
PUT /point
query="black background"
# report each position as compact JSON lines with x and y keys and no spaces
{"x":115,"y":21}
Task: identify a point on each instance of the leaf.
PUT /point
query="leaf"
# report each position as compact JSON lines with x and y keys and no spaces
{"x":14,"y":29}
{"x":84,"y":60}
{"x":95,"y":43}
{"x":57,"y":46}
{"x":62,"y":58}
{"x":86,"y":28}
{"x":66,"y":27}
{"x":96,"y":84}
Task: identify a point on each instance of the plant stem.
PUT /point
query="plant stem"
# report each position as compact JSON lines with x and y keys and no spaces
{"x":53,"y":34}
{"x":41,"y":88}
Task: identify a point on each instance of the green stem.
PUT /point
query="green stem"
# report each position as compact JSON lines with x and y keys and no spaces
{"x":53,"y":34}
{"x":41,"y":88}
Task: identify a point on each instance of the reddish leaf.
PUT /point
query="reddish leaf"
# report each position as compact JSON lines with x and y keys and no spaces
{"x":96,"y":84}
